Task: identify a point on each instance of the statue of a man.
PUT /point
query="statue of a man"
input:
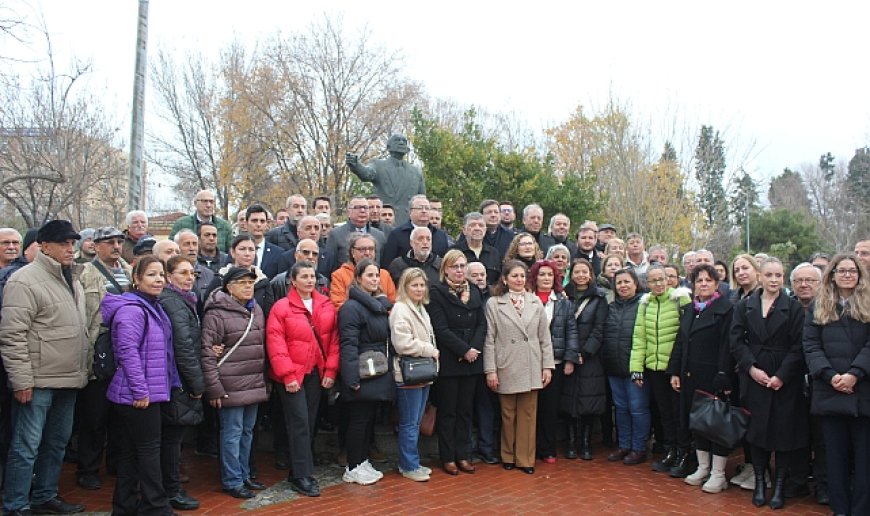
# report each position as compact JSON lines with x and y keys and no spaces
{"x":395,"y":180}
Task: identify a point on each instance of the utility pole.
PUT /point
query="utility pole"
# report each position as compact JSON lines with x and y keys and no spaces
{"x":137,"y":131}
{"x":747,"y":224}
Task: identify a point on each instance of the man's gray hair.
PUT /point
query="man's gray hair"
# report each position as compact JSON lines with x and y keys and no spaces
{"x":419,"y":229}
{"x":804,"y":265}
{"x":530,"y":207}
{"x":181,"y":233}
{"x":553,"y":221}
{"x":474,"y":215}
{"x":556,"y":248}
{"x":130,"y":214}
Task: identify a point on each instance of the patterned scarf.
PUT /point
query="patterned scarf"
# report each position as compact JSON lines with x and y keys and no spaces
{"x":459,"y":290}
{"x":518,"y":299}
{"x":701,"y":305}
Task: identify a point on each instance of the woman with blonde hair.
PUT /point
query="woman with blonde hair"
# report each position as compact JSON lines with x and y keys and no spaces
{"x":412,"y":336}
{"x":614,"y":246}
{"x":836,"y":344}
{"x":524,"y":248}
{"x":744,"y":277}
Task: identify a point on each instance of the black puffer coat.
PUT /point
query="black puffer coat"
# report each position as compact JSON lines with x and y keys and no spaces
{"x":618,"y":335}
{"x":458,"y":327}
{"x":187,"y":344}
{"x":584,"y":392}
{"x":364,"y":325}
{"x":839,"y":347}
{"x":563,"y":328}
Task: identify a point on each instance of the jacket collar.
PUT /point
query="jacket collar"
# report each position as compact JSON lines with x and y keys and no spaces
{"x":777,"y":316}
{"x":509,"y":312}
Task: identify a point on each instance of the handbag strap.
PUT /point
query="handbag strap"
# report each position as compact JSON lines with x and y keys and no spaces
{"x":316,"y":336}
{"x":236,"y":345}
{"x":581,"y":307}
{"x":100,"y":267}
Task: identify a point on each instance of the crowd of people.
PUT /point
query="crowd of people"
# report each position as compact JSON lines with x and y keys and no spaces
{"x":538,"y":339}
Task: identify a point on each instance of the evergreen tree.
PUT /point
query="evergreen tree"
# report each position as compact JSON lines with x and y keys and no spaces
{"x":709,"y":171}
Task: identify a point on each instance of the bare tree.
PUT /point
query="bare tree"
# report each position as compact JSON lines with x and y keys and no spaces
{"x":57,"y":144}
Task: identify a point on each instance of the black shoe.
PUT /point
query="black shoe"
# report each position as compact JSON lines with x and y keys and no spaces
{"x":488,"y":458}
{"x":89,"y":481}
{"x":667,"y":462}
{"x":253,"y":484}
{"x":57,"y":506}
{"x":822,"y":497}
{"x":758,"y":496}
{"x":527,"y":471}
{"x":307,"y":486}
{"x":508,"y":465}
{"x":184,"y":502}
{"x":207,"y":451}
{"x":19,"y":512}
{"x":240,"y":492}
{"x":777,"y":501}
{"x":684,"y":467}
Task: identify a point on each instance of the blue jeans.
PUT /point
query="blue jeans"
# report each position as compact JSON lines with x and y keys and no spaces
{"x":40,"y":432}
{"x":632,"y":412}
{"x":412,"y":403}
{"x":237,"y":434}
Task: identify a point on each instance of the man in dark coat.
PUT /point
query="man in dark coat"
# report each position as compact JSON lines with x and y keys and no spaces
{"x":399,"y":241}
{"x":357,"y":222}
{"x":476,"y":250}
{"x":420,"y":255}
{"x":285,"y":236}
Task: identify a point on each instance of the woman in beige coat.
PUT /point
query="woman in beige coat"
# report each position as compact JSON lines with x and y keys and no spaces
{"x":412,"y":336}
{"x":518,"y":361}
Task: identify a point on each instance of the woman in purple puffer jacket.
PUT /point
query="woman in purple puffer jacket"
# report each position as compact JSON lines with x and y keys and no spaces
{"x":142,"y":342}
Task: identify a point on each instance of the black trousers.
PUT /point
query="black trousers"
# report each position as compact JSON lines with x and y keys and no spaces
{"x":453,"y":419}
{"x":170,"y":457}
{"x":487,"y":414}
{"x":847,"y":442}
{"x":668,"y":403}
{"x":300,"y":418}
{"x":548,"y":413}
{"x":139,"y":487}
{"x":93,"y":412}
{"x":360,"y":416}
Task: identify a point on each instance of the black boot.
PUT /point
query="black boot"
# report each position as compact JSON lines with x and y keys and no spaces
{"x":571,"y":450}
{"x":758,"y":495}
{"x":686,"y":465}
{"x":664,"y":465}
{"x":777,"y":501}
{"x":585,"y":441}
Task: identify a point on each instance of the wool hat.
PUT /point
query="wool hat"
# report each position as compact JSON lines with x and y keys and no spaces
{"x":144,"y":246}
{"x":57,"y":231}
{"x":29,"y":238}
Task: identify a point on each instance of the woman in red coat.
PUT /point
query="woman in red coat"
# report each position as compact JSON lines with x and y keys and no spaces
{"x":302,"y":342}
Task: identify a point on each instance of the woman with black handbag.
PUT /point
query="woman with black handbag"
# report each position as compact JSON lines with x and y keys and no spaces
{"x":766,"y":338}
{"x":837,"y":349}
{"x":414,"y":366}
{"x":184,"y":408}
{"x":364,"y":334}
{"x":456,"y":311}
{"x":701,"y":359}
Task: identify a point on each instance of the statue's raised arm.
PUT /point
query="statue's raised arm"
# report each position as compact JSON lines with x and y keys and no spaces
{"x":394,"y":179}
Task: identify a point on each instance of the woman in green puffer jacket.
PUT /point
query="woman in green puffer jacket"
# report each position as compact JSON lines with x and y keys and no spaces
{"x":655,"y":330}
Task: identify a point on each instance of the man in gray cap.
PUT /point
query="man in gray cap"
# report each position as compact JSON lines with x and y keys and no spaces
{"x":44,"y":346}
{"x":108,"y":272}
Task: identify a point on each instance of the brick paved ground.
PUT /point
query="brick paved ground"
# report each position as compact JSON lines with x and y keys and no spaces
{"x":573,"y":487}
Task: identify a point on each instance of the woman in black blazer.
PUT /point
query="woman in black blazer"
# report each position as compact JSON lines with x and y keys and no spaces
{"x":456,"y":310}
{"x":766,"y":338}
{"x":837,"y":349}
{"x":701,"y":359}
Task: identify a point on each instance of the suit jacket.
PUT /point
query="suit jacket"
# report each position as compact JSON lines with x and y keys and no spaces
{"x":274,"y":261}
{"x":517,"y":348}
{"x":337,"y":248}
{"x":399,"y":243}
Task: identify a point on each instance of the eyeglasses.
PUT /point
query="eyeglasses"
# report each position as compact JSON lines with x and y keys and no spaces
{"x":368,"y":249}
{"x":807,"y":281}
{"x":309,"y":252}
{"x":846,"y":272}
{"x":9,"y":243}
{"x":422,"y":208}
{"x":244,"y":282}
{"x":457,"y":266}
{"x":363,"y":207}
{"x":525,"y":244}
{"x":507,"y":210}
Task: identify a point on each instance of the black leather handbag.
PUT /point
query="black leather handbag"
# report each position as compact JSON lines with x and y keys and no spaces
{"x":418,"y":370}
{"x":715,"y":419}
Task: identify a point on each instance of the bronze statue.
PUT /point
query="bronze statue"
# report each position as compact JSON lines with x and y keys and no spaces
{"x":394,"y":179}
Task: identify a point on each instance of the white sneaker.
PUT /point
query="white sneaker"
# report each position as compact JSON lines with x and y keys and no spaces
{"x":746,"y":474}
{"x":428,"y":471}
{"x":371,"y":469}
{"x":358,"y":475}
{"x":418,"y":475}
{"x":749,"y":483}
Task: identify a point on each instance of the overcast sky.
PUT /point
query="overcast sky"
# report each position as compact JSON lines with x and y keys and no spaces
{"x":783,"y":81}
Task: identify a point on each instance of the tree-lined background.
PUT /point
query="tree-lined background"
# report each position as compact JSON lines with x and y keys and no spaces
{"x":257,"y":121}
